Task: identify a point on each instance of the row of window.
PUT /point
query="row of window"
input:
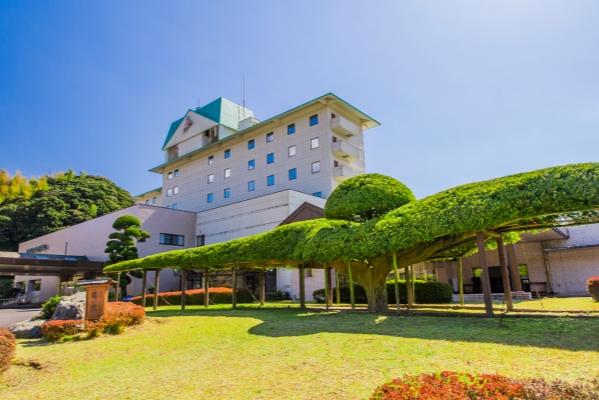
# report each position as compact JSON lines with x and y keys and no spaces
{"x":151,"y":201}
{"x":270,"y":159}
{"x":270,"y":181}
{"x":172,"y":191}
{"x":314,"y":144}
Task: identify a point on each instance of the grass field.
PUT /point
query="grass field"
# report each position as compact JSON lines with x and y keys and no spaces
{"x":288,"y":354}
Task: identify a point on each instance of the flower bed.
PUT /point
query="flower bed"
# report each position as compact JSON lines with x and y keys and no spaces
{"x":593,"y":287}
{"x":218,"y":295}
{"x":8,"y":345}
{"x":449,"y":385}
{"x":118,"y":315}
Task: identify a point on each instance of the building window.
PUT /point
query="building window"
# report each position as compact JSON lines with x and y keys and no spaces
{"x":176,"y":173}
{"x":251,"y":186}
{"x":290,"y":129}
{"x":270,"y":180}
{"x":227,"y":193}
{"x":291,"y":151}
{"x":316,"y":167}
{"x":169,"y":176}
{"x":313,"y":119}
{"x":170,"y":239}
{"x":227,"y":172}
{"x":176,"y":190}
{"x":314,"y":143}
{"x":174,"y":206}
{"x":251,"y":164}
{"x":317,"y":194}
{"x":292,"y":174}
{"x":270,"y":158}
{"x":210,"y":160}
{"x":209,"y":197}
{"x":308,"y":272}
{"x":251,"y":144}
{"x":154,"y":200}
{"x":211,"y":178}
{"x":270,"y":136}
{"x":169,"y":192}
{"x":227,"y":153}
{"x":147,"y":202}
{"x":334,"y":139}
{"x":200,"y":240}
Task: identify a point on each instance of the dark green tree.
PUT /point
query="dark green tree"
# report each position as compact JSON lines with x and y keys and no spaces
{"x":122,"y":244}
{"x":57,"y":202}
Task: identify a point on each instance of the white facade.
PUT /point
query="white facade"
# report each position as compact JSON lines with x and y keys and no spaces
{"x":89,"y":239}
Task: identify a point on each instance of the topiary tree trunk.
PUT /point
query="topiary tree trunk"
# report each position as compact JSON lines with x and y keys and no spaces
{"x":372,"y":276}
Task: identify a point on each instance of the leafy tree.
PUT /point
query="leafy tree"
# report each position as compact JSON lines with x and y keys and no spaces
{"x":33,"y":207}
{"x":441,"y":225}
{"x":122,"y":245}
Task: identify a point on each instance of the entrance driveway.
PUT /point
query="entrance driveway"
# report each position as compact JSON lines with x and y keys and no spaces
{"x":9,"y":316}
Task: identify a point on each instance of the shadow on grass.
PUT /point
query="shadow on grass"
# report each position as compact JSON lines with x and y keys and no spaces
{"x":547,"y":332}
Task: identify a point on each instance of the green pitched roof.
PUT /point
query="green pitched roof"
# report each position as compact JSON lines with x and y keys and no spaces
{"x":368,"y":122}
{"x":222,"y":111}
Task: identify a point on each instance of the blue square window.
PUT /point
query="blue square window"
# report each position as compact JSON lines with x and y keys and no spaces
{"x":210,"y":197}
{"x":290,"y":129}
{"x":228,"y":153}
{"x":270,"y":158}
{"x":270,"y":136}
{"x":292,"y":174}
{"x":313,"y":119}
{"x":227,"y":193}
{"x":270,"y":180}
{"x":317,"y":194}
{"x":251,"y":144}
{"x":251,"y":164}
{"x":251,"y":186}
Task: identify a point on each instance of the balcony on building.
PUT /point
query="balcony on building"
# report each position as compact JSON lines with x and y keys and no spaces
{"x":343,"y":171}
{"x":344,"y":126}
{"x":343,"y":149}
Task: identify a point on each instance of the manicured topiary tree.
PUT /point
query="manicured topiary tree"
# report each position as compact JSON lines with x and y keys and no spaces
{"x":122,"y":245}
{"x":414,"y":232}
{"x":365,"y":197}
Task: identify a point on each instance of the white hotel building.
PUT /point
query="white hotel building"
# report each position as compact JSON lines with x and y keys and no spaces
{"x":227,"y":175}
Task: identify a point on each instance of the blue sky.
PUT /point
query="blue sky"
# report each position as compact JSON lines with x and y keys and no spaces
{"x":465,"y":90}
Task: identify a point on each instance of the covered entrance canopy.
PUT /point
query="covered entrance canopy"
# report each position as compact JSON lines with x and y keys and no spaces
{"x":12,"y":263}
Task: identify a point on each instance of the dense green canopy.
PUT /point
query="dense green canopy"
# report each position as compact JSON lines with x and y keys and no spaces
{"x":367,"y":196}
{"x":417,"y":231}
{"x":31,"y":208}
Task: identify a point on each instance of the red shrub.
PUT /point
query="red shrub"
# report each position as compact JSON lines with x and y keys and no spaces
{"x":8,"y":345}
{"x":190,"y":292}
{"x":593,"y":287}
{"x":449,"y":385}
{"x":124,"y":312}
{"x":57,"y":329}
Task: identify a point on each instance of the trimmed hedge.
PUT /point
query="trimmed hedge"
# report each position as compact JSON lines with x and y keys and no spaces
{"x":593,"y":287}
{"x":365,"y":197}
{"x":427,"y":292}
{"x":8,"y":345}
{"x":218,"y":295}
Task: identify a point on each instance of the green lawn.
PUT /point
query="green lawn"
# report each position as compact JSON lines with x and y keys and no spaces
{"x":288,"y":354}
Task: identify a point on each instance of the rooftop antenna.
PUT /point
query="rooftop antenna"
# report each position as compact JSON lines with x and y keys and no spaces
{"x":243,"y":96}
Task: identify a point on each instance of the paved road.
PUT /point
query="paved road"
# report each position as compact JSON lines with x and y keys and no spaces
{"x":9,"y":316}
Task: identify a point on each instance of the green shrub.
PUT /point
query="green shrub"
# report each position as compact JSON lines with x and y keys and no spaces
{"x":49,"y":306}
{"x":427,"y":292}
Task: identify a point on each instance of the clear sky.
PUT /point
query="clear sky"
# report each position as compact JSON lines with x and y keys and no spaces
{"x":465,"y":90}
